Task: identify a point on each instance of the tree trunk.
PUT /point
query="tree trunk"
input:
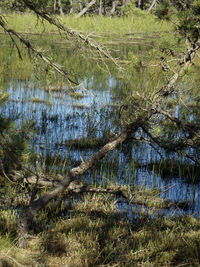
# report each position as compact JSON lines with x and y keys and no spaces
{"x":141,"y":4}
{"x":100,"y":7}
{"x":54,"y":6}
{"x":42,"y":201}
{"x":84,"y":10}
{"x":114,"y":4}
{"x":80,"y":5}
{"x":71,"y":8}
{"x":60,"y":8}
{"x":104,"y":7}
{"x":153,"y":4}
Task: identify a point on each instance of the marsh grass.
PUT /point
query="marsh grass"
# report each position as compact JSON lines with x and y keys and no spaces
{"x":77,"y":95}
{"x":87,"y":143}
{"x":12,"y":66}
{"x":39,"y":100}
{"x":94,"y":233}
{"x":80,"y":106}
{"x":29,"y":69}
{"x":96,"y":25}
{"x":170,"y":168}
{"x":89,"y":230}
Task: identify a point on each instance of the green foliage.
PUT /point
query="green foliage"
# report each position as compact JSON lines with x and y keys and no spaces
{"x":12,"y":5}
{"x":14,"y":148}
{"x":131,"y":10}
{"x":185,"y":17}
{"x":162,"y":10}
{"x":189,"y":22}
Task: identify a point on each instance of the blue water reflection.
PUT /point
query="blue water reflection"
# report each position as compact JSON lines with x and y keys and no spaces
{"x":59,"y":117}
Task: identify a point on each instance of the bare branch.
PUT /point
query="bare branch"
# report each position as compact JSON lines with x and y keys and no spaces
{"x":39,"y":53}
{"x":172,"y":147}
{"x":90,"y":42}
{"x":84,"y":10}
{"x":190,"y":127}
{"x":95,"y":158}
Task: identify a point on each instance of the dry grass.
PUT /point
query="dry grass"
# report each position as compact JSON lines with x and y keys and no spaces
{"x":94,"y":233}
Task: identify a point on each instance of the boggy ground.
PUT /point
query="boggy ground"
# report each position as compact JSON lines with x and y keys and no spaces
{"x":92,"y":232}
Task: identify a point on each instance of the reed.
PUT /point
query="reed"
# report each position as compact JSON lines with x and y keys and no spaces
{"x":95,"y":25}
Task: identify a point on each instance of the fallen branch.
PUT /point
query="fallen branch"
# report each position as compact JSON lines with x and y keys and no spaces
{"x":90,"y":42}
{"x":38,"y":53}
{"x":130,"y":196}
{"x":84,"y":10}
{"x":159,"y":97}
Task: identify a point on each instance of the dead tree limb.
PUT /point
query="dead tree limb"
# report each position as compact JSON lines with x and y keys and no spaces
{"x":153,"y":4}
{"x":190,"y":127}
{"x":172,"y":147}
{"x":159,"y":97}
{"x":38,"y":53}
{"x":85,"y":9}
{"x":69,"y":32}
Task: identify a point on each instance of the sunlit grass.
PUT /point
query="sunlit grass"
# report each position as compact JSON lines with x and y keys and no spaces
{"x":94,"y":233}
{"x":28,"y":23}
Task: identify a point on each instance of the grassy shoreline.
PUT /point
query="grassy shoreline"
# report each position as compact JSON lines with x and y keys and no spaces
{"x":94,"y":233}
{"x":28,"y":23}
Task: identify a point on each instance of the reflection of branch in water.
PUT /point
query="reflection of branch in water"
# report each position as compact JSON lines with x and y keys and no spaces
{"x":172,"y":147}
{"x":147,"y":141}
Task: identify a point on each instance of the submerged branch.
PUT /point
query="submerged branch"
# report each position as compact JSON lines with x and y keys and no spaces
{"x":131,"y":196}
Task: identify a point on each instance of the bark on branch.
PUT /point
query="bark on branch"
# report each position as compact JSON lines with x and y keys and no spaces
{"x":85,"y":9}
{"x":42,"y":201}
{"x":69,"y":32}
{"x":38,"y":53}
{"x":153,"y":4}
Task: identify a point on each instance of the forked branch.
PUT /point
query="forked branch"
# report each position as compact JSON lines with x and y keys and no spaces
{"x":160,"y":96}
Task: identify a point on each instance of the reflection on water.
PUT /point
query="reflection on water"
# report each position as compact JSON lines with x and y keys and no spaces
{"x":59,"y":117}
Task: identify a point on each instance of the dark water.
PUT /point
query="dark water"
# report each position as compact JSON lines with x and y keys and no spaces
{"x":59,"y":117}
